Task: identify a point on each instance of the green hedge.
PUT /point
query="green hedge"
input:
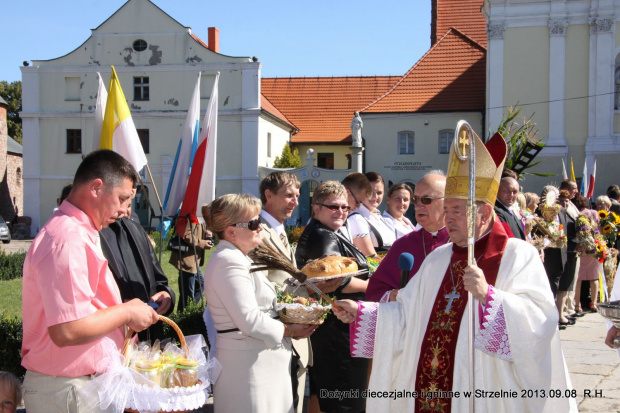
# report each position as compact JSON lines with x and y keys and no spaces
{"x":11,"y":265}
{"x":190,"y":321}
{"x":156,"y":235}
{"x":11,"y":345}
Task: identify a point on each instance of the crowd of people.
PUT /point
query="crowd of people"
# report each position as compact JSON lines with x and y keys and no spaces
{"x":91,"y":270}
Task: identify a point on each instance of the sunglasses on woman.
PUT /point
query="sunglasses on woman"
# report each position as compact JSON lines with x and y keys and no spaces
{"x":335,"y":208}
{"x":425,"y":200}
{"x":253,"y":225}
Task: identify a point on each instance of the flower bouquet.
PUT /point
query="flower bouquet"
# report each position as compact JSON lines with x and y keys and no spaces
{"x":555,"y":236}
{"x":586,"y":232}
{"x":609,"y":268}
{"x":293,"y":237}
{"x":373,"y":263}
{"x":610,"y":224}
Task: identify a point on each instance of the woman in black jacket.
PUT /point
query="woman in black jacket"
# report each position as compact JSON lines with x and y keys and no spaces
{"x":333,"y":367}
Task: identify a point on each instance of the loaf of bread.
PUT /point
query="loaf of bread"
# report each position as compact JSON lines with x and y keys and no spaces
{"x":329,"y":266}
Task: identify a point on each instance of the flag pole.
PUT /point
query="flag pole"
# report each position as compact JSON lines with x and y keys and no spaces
{"x":464,"y":137}
{"x":148,"y":170}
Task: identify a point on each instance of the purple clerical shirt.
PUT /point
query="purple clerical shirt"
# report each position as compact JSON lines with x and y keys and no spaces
{"x":418,"y":243}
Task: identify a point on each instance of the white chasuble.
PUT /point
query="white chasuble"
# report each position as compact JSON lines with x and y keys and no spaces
{"x":518,"y":356}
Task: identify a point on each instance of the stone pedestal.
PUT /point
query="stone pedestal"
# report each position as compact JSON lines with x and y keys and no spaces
{"x":356,"y":159}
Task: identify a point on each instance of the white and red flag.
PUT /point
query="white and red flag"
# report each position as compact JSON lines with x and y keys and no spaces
{"x":592,"y":179}
{"x":201,"y":185}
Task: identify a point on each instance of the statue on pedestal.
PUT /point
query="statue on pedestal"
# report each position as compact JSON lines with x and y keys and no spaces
{"x":356,"y":130}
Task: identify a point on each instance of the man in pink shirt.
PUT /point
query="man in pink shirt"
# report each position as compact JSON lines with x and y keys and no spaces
{"x":70,"y":298}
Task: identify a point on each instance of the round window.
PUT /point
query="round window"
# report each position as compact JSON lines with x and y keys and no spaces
{"x":139,"y":45}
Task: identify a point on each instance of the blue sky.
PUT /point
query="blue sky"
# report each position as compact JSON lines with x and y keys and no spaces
{"x":290,"y":38}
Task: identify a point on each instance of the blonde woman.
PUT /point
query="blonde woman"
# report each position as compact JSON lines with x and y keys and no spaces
{"x":253,"y":347}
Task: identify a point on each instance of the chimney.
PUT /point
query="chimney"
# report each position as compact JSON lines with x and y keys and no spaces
{"x":214,"y":39}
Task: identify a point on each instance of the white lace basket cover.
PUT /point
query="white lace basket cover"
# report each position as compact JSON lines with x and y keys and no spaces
{"x":117,"y":387}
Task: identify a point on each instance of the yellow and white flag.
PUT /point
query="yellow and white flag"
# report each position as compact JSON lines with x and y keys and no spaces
{"x":118,"y":131}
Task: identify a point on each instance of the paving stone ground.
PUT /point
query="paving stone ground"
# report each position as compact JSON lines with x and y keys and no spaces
{"x":593,"y":367}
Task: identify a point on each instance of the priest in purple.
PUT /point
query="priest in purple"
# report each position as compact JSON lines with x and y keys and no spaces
{"x":419,"y":343}
{"x":428,"y":200}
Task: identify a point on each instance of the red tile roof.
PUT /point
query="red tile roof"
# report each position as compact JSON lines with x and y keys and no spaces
{"x":323,"y":107}
{"x":199,"y":40}
{"x":267,"y":106}
{"x":464,"y":15}
{"x":451,"y":76}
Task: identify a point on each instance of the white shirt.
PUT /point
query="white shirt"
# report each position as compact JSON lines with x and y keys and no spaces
{"x":357,"y":225}
{"x":398,"y":227}
{"x":388,"y":236}
{"x":277,"y":226}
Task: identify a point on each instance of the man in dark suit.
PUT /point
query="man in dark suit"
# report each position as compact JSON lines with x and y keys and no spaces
{"x":132,"y":260}
{"x":506,"y":196}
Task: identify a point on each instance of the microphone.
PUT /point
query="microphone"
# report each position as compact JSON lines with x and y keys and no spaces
{"x":405,"y":263}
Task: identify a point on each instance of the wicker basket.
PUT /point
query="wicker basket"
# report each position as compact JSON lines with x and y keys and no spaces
{"x":176,"y":328}
{"x":301,"y":314}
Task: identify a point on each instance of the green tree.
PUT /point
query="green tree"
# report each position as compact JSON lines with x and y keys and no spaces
{"x":12,"y":94}
{"x":288,"y":158}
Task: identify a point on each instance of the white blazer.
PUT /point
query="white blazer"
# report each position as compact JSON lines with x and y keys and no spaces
{"x":243,"y":300}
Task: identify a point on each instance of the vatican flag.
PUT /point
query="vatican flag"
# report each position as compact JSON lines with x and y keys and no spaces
{"x":118,"y":131}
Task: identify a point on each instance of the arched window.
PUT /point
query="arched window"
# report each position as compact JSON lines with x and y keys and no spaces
{"x":18,"y":174}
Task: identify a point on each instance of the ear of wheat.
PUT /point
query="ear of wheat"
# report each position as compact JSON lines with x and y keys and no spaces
{"x":267,"y":258}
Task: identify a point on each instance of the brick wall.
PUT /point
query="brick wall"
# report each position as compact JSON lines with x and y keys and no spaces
{"x":14,"y":169}
{"x":3,"y":134}
{"x":11,"y":181}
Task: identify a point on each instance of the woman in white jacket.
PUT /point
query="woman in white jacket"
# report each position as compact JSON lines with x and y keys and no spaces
{"x":253,"y":347}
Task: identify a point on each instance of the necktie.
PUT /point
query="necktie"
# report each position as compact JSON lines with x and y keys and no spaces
{"x":284,"y":240}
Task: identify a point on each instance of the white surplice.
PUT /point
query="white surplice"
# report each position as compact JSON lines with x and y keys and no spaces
{"x":522,"y":299}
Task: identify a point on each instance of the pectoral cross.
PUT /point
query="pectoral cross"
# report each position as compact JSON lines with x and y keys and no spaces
{"x":451,"y":297}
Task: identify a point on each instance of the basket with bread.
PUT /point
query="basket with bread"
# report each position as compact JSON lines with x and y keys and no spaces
{"x":301,"y":310}
{"x":145,"y":378}
{"x":265,"y":257}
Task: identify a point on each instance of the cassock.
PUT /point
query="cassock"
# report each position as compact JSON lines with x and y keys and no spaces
{"x":418,"y":243}
{"x":137,"y":271}
{"x":421,"y":340}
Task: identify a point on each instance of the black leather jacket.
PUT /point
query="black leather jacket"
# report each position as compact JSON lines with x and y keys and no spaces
{"x":318,"y":240}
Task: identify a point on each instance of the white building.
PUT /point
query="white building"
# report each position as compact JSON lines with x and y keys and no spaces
{"x":157,"y":60}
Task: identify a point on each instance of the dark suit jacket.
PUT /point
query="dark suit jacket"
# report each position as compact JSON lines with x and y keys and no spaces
{"x":152,"y":278}
{"x":506,"y":216}
{"x":318,"y":240}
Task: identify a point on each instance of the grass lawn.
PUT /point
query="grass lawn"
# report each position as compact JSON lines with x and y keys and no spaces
{"x":11,"y":291}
